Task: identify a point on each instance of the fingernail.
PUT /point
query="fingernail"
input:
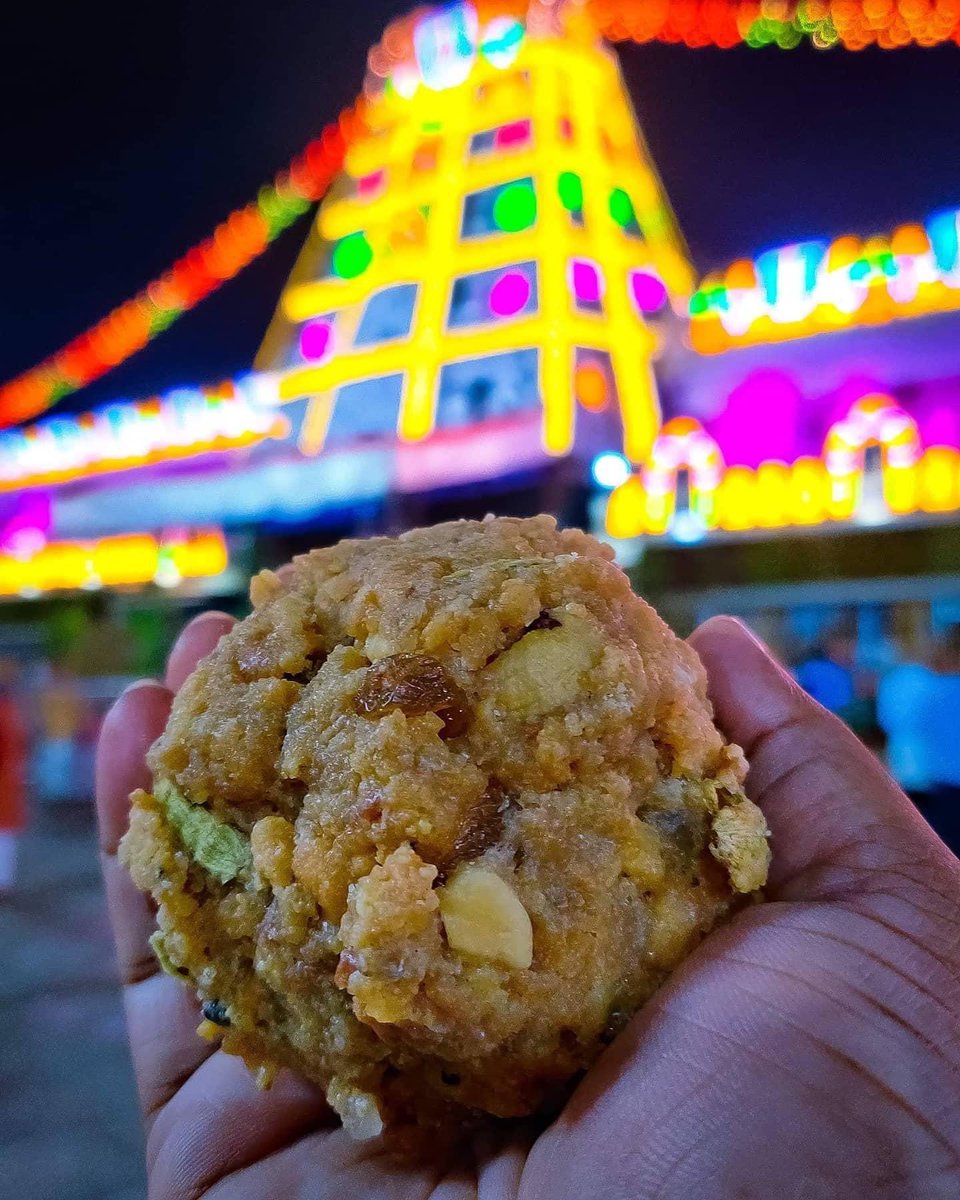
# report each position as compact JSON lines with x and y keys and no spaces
{"x":141,"y":683}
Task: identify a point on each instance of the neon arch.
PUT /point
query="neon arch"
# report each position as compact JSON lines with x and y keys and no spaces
{"x":683,"y":444}
{"x":874,"y":420}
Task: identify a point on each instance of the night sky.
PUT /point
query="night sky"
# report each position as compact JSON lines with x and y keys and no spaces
{"x":131,"y":131}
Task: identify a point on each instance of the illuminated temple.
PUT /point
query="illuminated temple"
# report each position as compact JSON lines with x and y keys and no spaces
{"x":494,"y":310}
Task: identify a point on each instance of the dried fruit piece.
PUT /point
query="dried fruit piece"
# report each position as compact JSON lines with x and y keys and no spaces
{"x":216,"y":1011}
{"x":414,"y":684}
{"x":483,"y":917}
{"x":546,"y":620}
{"x":482,"y":828}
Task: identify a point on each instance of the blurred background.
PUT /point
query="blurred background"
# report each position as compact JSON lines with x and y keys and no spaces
{"x":684,"y":273}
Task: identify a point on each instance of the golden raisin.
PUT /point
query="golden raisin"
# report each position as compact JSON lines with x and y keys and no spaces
{"x":414,"y":684}
{"x":482,"y":828}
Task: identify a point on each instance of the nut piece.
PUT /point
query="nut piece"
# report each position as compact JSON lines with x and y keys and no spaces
{"x":740,"y":842}
{"x":416,"y":684}
{"x":544,"y":670}
{"x":483,"y":917}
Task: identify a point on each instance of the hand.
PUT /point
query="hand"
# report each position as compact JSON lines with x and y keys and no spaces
{"x":808,"y":1050}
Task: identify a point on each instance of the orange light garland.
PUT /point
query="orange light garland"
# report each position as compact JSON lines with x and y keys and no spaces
{"x":235,"y":243}
{"x":853,"y":24}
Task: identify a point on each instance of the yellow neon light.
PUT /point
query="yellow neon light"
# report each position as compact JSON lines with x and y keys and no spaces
{"x":126,"y":560}
{"x":776,"y":495}
{"x":571,"y":94}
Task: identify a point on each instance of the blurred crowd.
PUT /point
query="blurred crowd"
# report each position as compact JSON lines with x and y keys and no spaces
{"x":55,"y":689}
{"x":907,"y":711}
{"x":49,"y":721}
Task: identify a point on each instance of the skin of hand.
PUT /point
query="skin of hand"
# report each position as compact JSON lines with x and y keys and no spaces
{"x":809,"y":1049}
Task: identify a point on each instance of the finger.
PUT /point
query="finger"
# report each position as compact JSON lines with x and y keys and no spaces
{"x":196,"y":641}
{"x":162,"y":1019}
{"x":834,"y":813}
{"x":220,"y":1122}
{"x":162,"y":1015}
{"x":129,"y":729}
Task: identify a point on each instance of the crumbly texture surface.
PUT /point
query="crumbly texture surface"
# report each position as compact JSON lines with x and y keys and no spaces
{"x":437,"y":818}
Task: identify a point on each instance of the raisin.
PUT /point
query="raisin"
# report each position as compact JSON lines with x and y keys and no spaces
{"x":569,"y":1040}
{"x":414,"y":684}
{"x":216,"y":1011}
{"x":544,"y":621}
{"x":348,"y":963}
{"x":450,"y":1077}
{"x":482,"y":828}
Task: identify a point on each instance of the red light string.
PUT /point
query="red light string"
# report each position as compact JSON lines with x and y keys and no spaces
{"x":235,"y":243}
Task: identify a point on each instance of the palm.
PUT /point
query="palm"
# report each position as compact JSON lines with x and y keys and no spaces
{"x":809,"y":1049}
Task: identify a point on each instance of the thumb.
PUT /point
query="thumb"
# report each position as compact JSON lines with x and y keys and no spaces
{"x":840,"y":825}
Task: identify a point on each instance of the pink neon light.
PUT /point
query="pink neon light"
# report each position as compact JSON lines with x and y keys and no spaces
{"x":517,"y":133}
{"x":369,"y":185}
{"x":940,"y":426}
{"x":760,"y":419}
{"x":509,"y":294}
{"x":649,"y":293}
{"x":585,"y":281}
{"x":316,"y":340}
{"x":24,"y":531}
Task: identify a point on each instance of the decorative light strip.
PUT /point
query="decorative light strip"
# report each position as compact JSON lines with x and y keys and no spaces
{"x":235,"y":243}
{"x":182,"y":424}
{"x":815,"y":287}
{"x":853,"y":24}
{"x":126,"y":561}
{"x":777,"y":495}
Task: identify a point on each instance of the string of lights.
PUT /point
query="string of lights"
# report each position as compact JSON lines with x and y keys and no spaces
{"x":852,"y":24}
{"x":235,"y":243}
